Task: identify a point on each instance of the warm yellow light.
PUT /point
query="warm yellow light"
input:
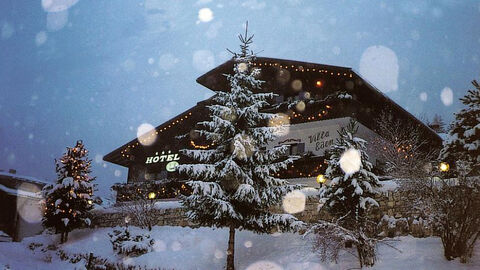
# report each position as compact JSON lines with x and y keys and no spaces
{"x":90,"y":202}
{"x":444,"y":167}
{"x":152,"y":195}
{"x":318,"y":83}
{"x":321,"y":179}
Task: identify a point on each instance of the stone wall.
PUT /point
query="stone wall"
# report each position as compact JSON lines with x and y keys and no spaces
{"x":116,"y":217}
{"x":393,"y":214}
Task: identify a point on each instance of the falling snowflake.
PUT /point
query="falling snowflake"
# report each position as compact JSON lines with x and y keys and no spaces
{"x":379,"y":65}
{"x":423,"y":96}
{"x":205,"y":15}
{"x":350,"y":161}
{"x":40,"y":38}
{"x":294,"y":202}
{"x":447,"y":96}
{"x":146,"y":134}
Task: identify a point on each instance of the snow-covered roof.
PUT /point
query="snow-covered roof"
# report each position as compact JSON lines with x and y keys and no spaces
{"x":24,"y":178}
{"x":20,"y":193}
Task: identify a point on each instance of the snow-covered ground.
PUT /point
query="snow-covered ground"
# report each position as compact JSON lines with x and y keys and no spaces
{"x":204,"y":248}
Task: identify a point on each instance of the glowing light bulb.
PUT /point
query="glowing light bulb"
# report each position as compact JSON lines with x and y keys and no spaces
{"x":444,"y":167}
{"x":152,"y":195}
{"x":321,"y":179}
{"x":318,"y":84}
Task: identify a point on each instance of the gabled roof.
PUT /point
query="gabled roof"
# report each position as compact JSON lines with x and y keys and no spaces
{"x":120,"y":157}
{"x":217,"y":81}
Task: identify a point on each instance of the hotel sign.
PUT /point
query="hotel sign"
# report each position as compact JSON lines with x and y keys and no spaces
{"x":171,"y":158}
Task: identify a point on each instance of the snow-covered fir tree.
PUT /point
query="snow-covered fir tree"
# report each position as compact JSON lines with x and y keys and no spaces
{"x":350,"y":192}
{"x":437,"y":124}
{"x":463,"y":142}
{"x":454,"y":205}
{"x":69,"y":200}
{"x":232,"y":182}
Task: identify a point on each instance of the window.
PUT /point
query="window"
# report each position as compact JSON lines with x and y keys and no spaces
{"x":297,"y":148}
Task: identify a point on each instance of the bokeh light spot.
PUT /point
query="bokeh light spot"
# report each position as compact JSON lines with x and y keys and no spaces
{"x":219,"y":254}
{"x":350,"y":161}
{"x":282,"y":76}
{"x":29,"y":208}
{"x":205,"y":15}
{"x":159,"y":246}
{"x":423,"y":96}
{"x":57,"y":5}
{"x":242,"y":67}
{"x":297,"y":85}
{"x":176,"y":246}
{"x":294,"y":202}
{"x":40,"y":38}
{"x":280,"y":124}
{"x":57,"y":20}
{"x":300,"y":107}
{"x":264,"y":265}
{"x":146,"y":134}
{"x":379,"y":65}
{"x":447,"y":96}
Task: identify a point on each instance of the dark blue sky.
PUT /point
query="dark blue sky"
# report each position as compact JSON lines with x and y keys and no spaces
{"x":96,"y":70}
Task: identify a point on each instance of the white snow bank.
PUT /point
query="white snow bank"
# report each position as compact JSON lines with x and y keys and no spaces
{"x":205,"y":248}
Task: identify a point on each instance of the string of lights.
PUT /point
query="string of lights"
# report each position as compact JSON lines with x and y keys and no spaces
{"x":151,"y":190}
{"x":146,"y":138}
{"x":300,"y":68}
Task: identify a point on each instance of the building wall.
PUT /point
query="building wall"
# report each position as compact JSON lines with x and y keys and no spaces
{"x":20,"y":217}
{"x":7,"y":213}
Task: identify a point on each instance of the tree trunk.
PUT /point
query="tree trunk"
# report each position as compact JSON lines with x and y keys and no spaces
{"x":66,"y":236}
{"x":231,"y":250}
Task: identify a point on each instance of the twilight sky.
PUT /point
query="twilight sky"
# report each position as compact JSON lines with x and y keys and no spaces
{"x":96,"y":70}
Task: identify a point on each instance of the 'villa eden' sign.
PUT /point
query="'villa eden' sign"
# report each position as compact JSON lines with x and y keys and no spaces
{"x":321,"y":139}
{"x":316,"y":138}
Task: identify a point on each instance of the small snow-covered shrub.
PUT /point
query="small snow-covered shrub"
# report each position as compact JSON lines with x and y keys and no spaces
{"x":390,"y":226}
{"x":47,"y":258}
{"x":142,"y":210}
{"x":131,"y":245}
{"x":32,"y":246}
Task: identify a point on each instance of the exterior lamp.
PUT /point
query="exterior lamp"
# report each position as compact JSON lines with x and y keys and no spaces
{"x":152,"y":195}
{"x":318,"y":83}
{"x":321,"y":179}
{"x":90,"y":202}
{"x":444,"y":167}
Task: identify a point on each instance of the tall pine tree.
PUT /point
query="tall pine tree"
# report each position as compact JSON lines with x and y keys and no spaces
{"x":69,"y":200}
{"x":463,"y":143}
{"x":232,"y":182}
{"x":350,"y":192}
